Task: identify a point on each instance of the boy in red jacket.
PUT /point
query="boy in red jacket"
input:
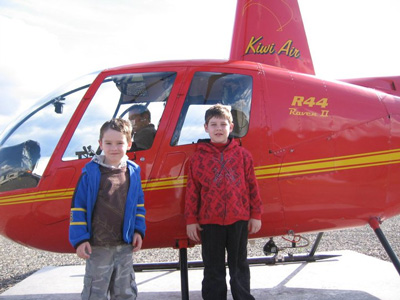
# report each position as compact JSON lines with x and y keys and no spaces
{"x":222,"y":206}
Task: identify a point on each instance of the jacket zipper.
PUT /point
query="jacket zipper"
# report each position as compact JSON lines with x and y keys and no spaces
{"x":222,"y":164}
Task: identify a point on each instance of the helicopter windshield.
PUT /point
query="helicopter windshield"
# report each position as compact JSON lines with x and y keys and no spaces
{"x":27,"y":145}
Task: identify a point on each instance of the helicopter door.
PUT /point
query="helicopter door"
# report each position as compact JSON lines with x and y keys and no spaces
{"x":168,"y":177}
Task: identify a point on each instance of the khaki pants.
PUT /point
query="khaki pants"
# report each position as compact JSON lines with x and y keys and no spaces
{"x":109,"y":271}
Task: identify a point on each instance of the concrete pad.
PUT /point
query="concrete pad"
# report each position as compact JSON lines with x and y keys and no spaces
{"x":351,"y":276}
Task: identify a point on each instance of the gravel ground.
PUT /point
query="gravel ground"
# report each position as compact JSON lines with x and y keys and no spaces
{"x":18,"y":262}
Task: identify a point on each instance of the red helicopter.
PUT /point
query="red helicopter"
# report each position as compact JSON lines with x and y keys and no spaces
{"x":327,"y":153}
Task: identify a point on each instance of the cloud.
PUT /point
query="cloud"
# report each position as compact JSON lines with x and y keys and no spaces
{"x":350,"y":39}
{"x":21,"y":66}
{"x":47,"y":43}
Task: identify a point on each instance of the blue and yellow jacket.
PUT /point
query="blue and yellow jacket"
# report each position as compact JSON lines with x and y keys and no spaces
{"x":84,"y":200}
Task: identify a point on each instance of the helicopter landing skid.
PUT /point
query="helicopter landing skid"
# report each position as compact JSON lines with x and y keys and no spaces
{"x":183,"y":265}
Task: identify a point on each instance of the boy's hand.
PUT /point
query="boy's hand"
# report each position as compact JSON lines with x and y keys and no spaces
{"x":84,"y":250}
{"x":254,"y":226}
{"x":192,"y":232}
{"x":137,"y":242}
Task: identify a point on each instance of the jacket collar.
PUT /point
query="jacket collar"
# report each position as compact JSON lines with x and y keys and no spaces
{"x":205,"y":144}
{"x":99,"y":159}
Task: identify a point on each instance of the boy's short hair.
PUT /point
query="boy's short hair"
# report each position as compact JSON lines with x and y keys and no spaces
{"x":120,"y":125}
{"x":218,"y":111}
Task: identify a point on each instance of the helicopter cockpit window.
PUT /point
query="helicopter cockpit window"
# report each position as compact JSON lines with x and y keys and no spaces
{"x":26,"y":148}
{"x":138,"y":97}
{"x":207,"y":89}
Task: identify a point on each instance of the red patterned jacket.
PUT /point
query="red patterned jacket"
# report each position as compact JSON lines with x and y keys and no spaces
{"x":221,"y":187}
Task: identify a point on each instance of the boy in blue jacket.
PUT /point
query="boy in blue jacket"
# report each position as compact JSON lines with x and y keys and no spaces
{"x":108,"y":216}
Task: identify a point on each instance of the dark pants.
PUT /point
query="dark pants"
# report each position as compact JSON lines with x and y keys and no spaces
{"x":233,"y":238}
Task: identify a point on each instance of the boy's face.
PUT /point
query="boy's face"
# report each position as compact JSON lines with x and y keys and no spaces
{"x":218,"y":130}
{"x":114,"y":145}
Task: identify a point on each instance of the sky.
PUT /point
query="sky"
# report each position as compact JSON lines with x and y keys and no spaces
{"x":46,"y":43}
